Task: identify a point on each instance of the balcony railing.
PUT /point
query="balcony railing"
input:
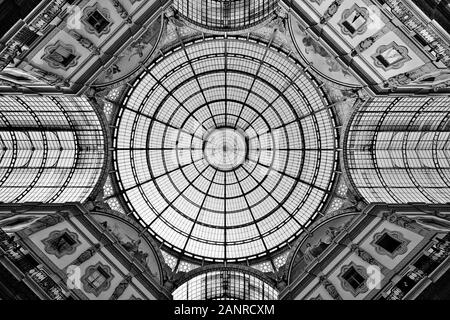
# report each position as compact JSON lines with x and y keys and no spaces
{"x":409,"y":19}
{"x":30,"y":267}
{"x":27,"y":33}
{"x":435,"y":255}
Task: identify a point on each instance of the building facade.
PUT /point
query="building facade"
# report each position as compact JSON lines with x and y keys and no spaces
{"x":64,"y":252}
{"x":380,"y":254}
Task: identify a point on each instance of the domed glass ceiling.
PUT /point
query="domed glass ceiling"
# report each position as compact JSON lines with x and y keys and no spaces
{"x":225,"y":149}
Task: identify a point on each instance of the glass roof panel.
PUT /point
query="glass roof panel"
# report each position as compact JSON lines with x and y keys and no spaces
{"x":51,"y":149}
{"x":229,"y":15}
{"x":226,"y":284}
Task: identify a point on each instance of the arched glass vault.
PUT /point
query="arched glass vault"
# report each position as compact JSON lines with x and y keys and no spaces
{"x":225,"y":149}
{"x":51,"y":149}
{"x":397,"y":150}
{"x":225,"y":283}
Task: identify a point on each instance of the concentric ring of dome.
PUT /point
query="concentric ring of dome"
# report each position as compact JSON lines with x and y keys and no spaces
{"x":258,"y":206}
{"x":225,"y":148}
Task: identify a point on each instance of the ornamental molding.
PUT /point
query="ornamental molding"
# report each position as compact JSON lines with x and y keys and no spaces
{"x":331,"y":289}
{"x":331,"y":11}
{"x":53,"y":237}
{"x":49,"y":50}
{"x":402,"y":248}
{"x":347,"y":13}
{"x":121,"y":11}
{"x":402,"y":50}
{"x":86,"y":43}
{"x":104,"y":286}
{"x":346,"y":286}
{"x":104,"y":12}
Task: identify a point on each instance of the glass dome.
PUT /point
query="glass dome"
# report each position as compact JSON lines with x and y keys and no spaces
{"x":225,"y":149}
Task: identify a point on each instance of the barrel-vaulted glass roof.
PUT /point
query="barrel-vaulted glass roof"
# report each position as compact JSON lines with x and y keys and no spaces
{"x":225,"y":149}
{"x":226,"y":283}
{"x":51,"y":149}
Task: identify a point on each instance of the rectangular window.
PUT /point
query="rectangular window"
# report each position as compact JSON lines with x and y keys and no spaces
{"x":61,"y":56}
{"x":388,"y":243}
{"x":97,"y":278}
{"x":97,"y":21}
{"x":354,"y":279}
{"x":389,"y":57}
{"x":354,"y":22}
{"x":63,"y":243}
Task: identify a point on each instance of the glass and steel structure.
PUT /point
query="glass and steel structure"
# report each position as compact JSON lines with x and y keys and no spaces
{"x":225,"y":149}
{"x":225,"y":15}
{"x":51,"y":149}
{"x":397,"y":150}
{"x":226,"y":283}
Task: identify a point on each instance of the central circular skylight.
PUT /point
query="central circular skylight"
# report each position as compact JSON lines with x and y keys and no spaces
{"x":225,"y":149}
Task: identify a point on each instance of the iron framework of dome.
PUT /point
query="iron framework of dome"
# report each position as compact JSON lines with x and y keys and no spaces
{"x":225,"y":15}
{"x":225,"y":149}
